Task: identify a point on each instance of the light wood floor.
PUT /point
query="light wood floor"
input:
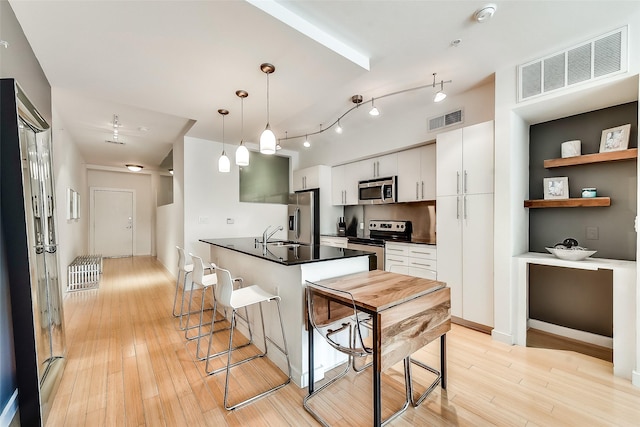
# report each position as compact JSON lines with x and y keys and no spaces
{"x":128,"y":364}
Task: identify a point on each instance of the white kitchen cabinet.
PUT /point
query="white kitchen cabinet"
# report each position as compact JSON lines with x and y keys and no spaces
{"x":465,"y":163}
{"x":306,"y":179}
{"x":417,"y":174}
{"x":380,"y":167}
{"x":335,"y":241}
{"x":344,"y":183}
{"x":412,"y":259}
{"x":464,"y":223}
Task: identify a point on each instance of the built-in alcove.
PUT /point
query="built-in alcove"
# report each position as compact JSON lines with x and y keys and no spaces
{"x":612,"y":225}
{"x":580,"y":300}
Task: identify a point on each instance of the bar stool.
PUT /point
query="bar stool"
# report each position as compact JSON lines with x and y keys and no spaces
{"x":235,"y":299}
{"x":206,"y":282}
{"x":184,"y":269}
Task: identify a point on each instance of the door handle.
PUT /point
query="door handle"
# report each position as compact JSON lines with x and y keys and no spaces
{"x":422,"y":190}
{"x":465,"y":181}
{"x":458,"y":207}
{"x":416,"y":190}
{"x":457,"y":182}
{"x":465,"y":207}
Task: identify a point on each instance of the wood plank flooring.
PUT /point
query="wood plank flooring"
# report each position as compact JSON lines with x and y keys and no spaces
{"x":128,"y":364}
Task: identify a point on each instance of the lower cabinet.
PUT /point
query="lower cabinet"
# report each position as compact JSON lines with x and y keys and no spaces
{"x":465,"y":254}
{"x":409,"y":258}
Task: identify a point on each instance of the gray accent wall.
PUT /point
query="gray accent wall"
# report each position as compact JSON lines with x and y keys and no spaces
{"x":616,"y":238}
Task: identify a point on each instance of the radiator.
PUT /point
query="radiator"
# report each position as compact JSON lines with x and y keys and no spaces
{"x":84,"y":272}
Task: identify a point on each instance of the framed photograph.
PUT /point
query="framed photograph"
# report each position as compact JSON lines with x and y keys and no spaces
{"x":76,"y":206}
{"x":556,"y":188}
{"x":70,"y":193}
{"x":615,"y":139}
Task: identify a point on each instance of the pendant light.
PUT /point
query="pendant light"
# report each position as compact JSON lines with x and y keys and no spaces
{"x":306,"y":143}
{"x":267,"y":139}
{"x":242,"y":154}
{"x":339,"y":128}
{"x":223,"y":162}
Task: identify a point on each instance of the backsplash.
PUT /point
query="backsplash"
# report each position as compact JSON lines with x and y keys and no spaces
{"x":421,"y":214}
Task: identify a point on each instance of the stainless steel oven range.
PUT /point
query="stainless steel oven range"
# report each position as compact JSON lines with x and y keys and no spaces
{"x":380,"y":231}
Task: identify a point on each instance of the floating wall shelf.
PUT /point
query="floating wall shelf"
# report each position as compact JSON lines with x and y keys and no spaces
{"x":568,"y":203}
{"x":610,"y":156}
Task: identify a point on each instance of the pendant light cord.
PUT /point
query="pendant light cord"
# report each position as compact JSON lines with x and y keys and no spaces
{"x":268,"y":99}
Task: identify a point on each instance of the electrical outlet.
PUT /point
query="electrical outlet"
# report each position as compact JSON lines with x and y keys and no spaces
{"x":592,"y":233}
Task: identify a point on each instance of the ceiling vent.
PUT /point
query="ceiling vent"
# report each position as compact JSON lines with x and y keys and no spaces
{"x":109,"y":141}
{"x":445,"y":120}
{"x":600,"y":57}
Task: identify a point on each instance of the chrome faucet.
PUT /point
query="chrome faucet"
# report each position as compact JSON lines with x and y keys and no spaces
{"x":266,"y":237}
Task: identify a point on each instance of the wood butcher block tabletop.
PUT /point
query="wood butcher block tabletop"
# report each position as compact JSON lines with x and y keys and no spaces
{"x":379,"y":290}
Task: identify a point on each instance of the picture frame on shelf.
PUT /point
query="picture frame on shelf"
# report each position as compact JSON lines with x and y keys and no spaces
{"x":556,"y":188}
{"x":615,"y":139}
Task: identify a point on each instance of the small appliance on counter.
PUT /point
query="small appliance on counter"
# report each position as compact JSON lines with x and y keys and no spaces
{"x":342,"y":226}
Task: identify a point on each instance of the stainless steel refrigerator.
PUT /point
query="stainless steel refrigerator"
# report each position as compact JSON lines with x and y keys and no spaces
{"x":304,"y":217}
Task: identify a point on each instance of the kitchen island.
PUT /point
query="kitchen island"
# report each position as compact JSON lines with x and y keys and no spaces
{"x":283,"y":268}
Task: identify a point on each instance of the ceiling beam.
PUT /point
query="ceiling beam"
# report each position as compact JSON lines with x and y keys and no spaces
{"x":296,"y":22}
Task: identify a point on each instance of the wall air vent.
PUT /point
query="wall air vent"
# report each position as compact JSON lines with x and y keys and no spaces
{"x":109,"y":141}
{"x":602,"y":56}
{"x":445,"y":120}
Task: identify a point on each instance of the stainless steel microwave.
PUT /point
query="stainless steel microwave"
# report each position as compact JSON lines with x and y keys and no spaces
{"x":378,"y":191}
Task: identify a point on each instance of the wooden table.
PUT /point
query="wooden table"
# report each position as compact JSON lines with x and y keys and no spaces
{"x":408,"y":312}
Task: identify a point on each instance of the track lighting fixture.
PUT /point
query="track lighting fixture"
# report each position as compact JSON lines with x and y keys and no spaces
{"x":439,"y":95}
{"x":223,"y":162}
{"x":339,"y":128}
{"x":267,"y":139}
{"x":374,"y":111}
{"x":307,"y":144}
{"x":242,"y":154}
{"x":116,"y":125}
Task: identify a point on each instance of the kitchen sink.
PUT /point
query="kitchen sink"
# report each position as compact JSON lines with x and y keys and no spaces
{"x":284,"y":243}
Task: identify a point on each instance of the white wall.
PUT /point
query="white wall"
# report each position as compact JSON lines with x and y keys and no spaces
{"x":69,"y":172}
{"x":145,"y":202}
{"x":401,"y":124}
{"x":211,"y":197}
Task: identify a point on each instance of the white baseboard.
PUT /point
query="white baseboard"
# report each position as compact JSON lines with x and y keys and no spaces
{"x":635,"y":378}
{"x":10,"y":410}
{"x":502,"y":337}
{"x":575,"y":334}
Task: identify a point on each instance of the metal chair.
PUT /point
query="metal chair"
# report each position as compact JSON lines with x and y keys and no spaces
{"x":204,"y":281}
{"x":235,"y":299}
{"x":324,"y":320}
{"x":184,"y":269}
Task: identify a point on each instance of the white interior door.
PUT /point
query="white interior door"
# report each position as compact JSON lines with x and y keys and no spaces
{"x":113,"y":222}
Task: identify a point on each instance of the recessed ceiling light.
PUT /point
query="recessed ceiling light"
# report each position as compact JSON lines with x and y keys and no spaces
{"x":456,"y":42}
{"x":134,"y":168}
{"x":143,"y":129}
{"x":485,"y":13}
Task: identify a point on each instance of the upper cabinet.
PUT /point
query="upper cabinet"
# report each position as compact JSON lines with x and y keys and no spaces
{"x":465,"y":160}
{"x":344,"y":184}
{"x":306,"y":179}
{"x":379,"y":167}
{"x":417,"y":174}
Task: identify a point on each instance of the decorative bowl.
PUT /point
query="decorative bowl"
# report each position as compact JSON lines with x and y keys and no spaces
{"x":571,"y":254}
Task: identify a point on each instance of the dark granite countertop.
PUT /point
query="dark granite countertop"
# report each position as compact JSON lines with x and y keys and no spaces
{"x":285,"y":255}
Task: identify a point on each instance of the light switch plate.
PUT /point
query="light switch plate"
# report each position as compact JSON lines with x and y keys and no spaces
{"x":592,"y":233}
{"x":229,"y":220}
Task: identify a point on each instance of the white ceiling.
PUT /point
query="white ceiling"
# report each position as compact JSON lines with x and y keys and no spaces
{"x":167,"y":65}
